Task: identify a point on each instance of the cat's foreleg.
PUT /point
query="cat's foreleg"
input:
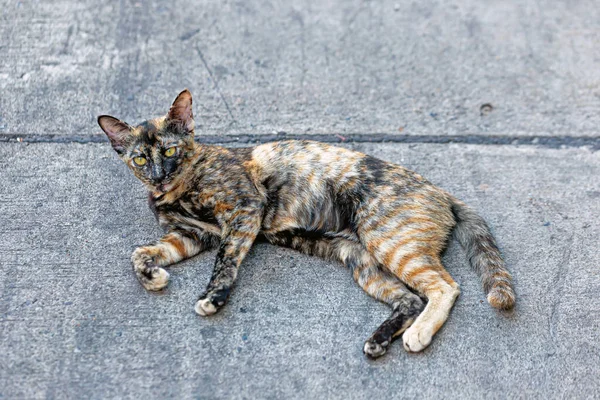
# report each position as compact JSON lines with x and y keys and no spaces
{"x":175,"y":246}
{"x":235,"y":244}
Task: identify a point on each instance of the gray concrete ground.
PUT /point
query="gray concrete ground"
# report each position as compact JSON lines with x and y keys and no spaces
{"x":74,"y":322}
{"x":340,"y":66}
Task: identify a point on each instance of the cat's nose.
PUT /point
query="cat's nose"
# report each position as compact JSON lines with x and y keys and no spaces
{"x":158,"y":174}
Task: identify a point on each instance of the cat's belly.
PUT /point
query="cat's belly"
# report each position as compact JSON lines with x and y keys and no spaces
{"x":306,"y":185}
{"x":320,"y":215}
{"x":315,"y":243}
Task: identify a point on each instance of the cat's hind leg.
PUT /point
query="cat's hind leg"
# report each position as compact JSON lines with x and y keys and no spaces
{"x":429,"y":277}
{"x":385,"y":287}
{"x":421,"y":269}
{"x":407,"y":238}
{"x":371,"y":277}
{"x":173,"y":247}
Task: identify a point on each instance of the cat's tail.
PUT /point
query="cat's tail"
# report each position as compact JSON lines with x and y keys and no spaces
{"x":474,"y":235}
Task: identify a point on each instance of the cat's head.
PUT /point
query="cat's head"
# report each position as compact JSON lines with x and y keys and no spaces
{"x":156,"y":150}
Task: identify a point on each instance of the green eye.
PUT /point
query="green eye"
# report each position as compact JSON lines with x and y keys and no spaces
{"x":139,"y":161}
{"x":170,"y":151}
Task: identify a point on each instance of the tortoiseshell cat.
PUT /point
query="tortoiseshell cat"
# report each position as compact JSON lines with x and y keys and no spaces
{"x":386,"y":223}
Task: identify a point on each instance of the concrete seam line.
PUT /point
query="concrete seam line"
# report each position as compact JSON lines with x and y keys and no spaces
{"x":542,"y":141}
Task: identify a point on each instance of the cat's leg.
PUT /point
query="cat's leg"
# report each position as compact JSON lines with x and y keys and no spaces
{"x":175,"y":246}
{"x":427,"y":275}
{"x":368,"y":273}
{"x":407,"y":237}
{"x":235,"y":244}
{"x":406,"y":306}
{"x":383,"y":286}
{"x":416,"y":265}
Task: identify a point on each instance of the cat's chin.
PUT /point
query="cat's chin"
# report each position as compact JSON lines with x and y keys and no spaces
{"x":162,"y":188}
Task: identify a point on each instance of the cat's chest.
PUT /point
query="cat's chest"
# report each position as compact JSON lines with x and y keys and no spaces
{"x":185,"y":213}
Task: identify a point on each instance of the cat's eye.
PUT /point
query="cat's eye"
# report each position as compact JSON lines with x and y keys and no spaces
{"x":139,"y":161}
{"x":170,"y":151}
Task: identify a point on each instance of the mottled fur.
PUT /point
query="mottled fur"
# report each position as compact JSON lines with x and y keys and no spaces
{"x":386,"y":223}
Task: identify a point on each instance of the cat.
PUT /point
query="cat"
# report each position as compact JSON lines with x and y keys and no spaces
{"x":387,"y":224}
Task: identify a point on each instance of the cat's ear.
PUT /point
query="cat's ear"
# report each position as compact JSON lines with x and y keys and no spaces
{"x":116,"y":130}
{"x":181,"y":111}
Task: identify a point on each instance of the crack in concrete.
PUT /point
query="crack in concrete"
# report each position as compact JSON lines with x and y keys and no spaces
{"x":559,"y":283}
{"x":553,"y":142}
{"x":563,"y":272}
{"x":216,"y":84}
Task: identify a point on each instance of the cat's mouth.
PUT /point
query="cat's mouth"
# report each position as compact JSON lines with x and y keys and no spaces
{"x":164,"y":187}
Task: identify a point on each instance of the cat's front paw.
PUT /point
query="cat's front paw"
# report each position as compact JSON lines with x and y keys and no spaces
{"x":151,"y":276}
{"x":211,"y":302}
{"x":154,"y":278}
{"x":205,"y":308}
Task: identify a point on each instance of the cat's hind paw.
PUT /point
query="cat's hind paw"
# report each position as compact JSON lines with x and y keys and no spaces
{"x":373,"y":349}
{"x":416,"y":339}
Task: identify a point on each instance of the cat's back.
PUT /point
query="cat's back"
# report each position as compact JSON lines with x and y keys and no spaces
{"x":310,"y":163}
{"x":303,"y":159}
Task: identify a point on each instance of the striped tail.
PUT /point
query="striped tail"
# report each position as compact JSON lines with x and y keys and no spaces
{"x":474,"y":235}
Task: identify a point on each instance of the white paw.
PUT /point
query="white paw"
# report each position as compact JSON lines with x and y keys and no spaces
{"x":204,"y":307}
{"x":416,"y":339}
{"x":160,"y":279}
{"x":373,"y":349}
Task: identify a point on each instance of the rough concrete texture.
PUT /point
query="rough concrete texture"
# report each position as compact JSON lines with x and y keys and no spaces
{"x":74,"y":322}
{"x":342,"y":66}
